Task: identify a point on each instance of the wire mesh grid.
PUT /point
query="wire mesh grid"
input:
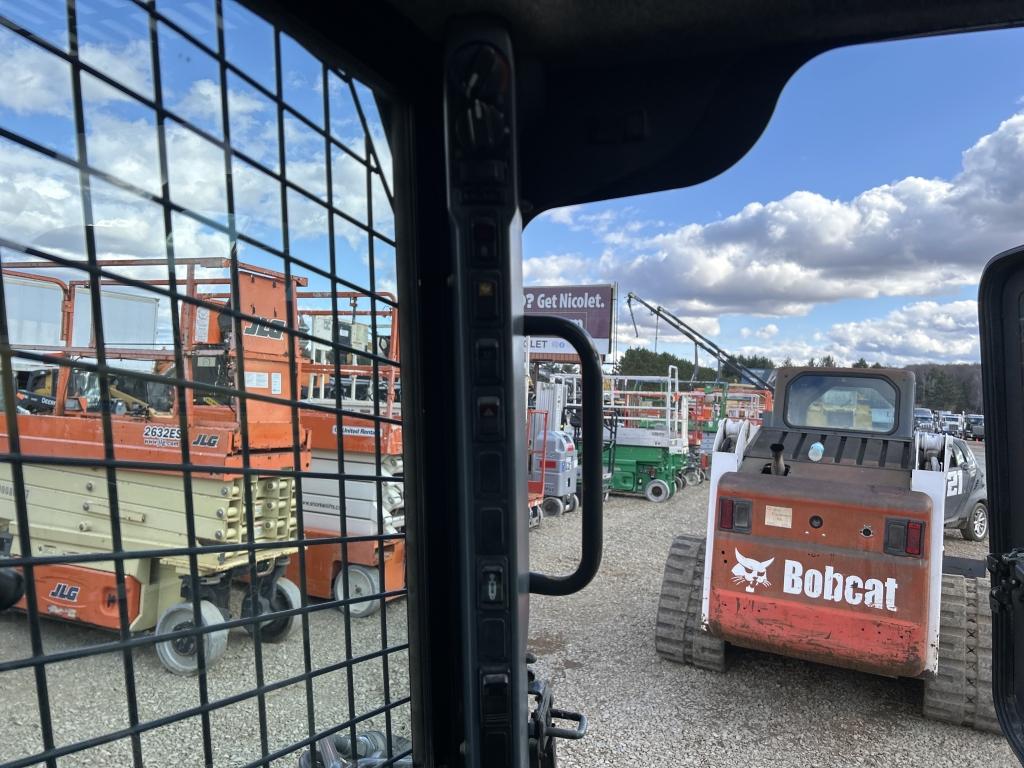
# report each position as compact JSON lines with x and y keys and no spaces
{"x":201,"y":404}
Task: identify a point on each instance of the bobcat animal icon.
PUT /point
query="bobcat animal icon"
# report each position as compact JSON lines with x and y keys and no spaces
{"x":751,"y":572}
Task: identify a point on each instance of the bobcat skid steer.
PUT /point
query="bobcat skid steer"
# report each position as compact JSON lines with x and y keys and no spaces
{"x":824,"y":543}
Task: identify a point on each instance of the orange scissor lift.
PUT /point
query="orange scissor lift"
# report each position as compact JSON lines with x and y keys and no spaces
{"x":68,"y":505}
{"x":368,"y":506}
{"x":536,"y":453}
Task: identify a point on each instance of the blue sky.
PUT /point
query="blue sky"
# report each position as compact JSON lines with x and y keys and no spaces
{"x":850,"y":121}
{"x":40,"y":202}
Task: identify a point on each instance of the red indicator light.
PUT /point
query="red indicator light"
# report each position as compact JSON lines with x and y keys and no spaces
{"x":915,"y":533}
{"x":725,"y":510}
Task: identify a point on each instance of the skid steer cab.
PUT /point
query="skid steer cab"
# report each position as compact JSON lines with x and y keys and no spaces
{"x":824,"y":543}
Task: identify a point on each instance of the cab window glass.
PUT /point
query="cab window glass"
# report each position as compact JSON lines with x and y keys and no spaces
{"x":957,"y":458}
{"x":841,"y":402}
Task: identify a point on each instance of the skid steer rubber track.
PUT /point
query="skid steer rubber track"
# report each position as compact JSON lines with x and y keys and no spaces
{"x":961,"y":691}
{"x":678,"y":636}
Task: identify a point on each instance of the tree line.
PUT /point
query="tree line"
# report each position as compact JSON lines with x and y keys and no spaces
{"x":946,"y":387}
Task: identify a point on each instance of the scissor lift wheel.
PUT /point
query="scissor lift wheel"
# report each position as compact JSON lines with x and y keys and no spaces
{"x":362,"y":581}
{"x":285,"y":597}
{"x":657,"y":490}
{"x":678,"y":636}
{"x":553,"y":506}
{"x":181,"y":654}
{"x":961,"y":690}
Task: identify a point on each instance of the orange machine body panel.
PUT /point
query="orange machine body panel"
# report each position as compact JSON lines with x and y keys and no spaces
{"x":83,"y":594}
{"x":358,"y":435}
{"x":156,"y":440}
{"x":323,"y":563}
{"x":831,"y":593}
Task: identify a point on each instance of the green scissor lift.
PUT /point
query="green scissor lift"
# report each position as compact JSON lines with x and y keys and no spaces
{"x":649,"y":455}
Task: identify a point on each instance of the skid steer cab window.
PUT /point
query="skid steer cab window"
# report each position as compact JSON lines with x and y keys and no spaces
{"x":202,"y":539}
{"x":842,"y":402}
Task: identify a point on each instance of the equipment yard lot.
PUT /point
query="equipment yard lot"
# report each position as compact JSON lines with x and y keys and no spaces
{"x":597,"y":645}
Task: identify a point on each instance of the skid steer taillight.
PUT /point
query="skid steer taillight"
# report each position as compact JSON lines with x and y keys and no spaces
{"x":915,"y":530}
{"x":904,"y":537}
{"x":735,"y":515}
{"x":725,"y":513}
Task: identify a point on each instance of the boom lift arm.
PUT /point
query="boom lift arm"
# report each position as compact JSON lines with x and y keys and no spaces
{"x":702,"y":341}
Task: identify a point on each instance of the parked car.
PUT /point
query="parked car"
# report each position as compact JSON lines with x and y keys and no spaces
{"x":975,"y":426}
{"x":966,"y":493}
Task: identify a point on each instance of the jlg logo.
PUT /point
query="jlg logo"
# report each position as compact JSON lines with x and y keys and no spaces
{"x":64,"y":591}
{"x":265,"y":328}
{"x":204,"y":440}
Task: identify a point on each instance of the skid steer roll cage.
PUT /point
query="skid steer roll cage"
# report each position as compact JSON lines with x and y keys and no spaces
{"x":176,"y":212}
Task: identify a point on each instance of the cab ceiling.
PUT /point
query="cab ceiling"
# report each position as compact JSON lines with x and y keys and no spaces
{"x":623,"y":97}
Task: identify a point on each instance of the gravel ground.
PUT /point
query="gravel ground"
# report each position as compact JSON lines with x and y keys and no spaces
{"x":87,"y":696}
{"x":597,"y":647}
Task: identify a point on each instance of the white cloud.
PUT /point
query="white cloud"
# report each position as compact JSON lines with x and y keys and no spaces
{"x":35,"y":82}
{"x":767,"y":331}
{"x":913,"y":237}
{"x":128,"y":64}
{"x":925,"y":331}
{"x":563,"y":215}
{"x":556,"y":269}
{"x":201,"y":102}
{"x":921,"y":332}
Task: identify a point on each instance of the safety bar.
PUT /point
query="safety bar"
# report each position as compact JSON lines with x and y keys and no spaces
{"x":593,"y":446}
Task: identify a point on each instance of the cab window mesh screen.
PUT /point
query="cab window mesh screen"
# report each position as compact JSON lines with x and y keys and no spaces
{"x":202,"y":558}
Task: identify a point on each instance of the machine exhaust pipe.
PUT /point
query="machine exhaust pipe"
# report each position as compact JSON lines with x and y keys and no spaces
{"x":778,"y":465}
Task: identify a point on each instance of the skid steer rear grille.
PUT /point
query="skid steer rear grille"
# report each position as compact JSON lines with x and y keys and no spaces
{"x":852,"y":450}
{"x":198,"y":285}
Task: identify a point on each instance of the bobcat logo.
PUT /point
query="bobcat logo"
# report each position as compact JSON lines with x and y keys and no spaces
{"x":751,"y":572}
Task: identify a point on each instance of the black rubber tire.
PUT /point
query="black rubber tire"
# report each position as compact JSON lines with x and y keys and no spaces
{"x":975,"y":529}
{"x":286,"y":598}
{"x":961,"y":690}
{"x":692,"y":478}
{"x":552,"y":506}
{"x":678,"y":635}
{"x":573,"y":504}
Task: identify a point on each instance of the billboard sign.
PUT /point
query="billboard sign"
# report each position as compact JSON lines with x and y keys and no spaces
{"x":592,"y":307}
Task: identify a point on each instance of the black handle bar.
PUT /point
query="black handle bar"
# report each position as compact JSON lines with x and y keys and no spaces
{"x":593,"y":447}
